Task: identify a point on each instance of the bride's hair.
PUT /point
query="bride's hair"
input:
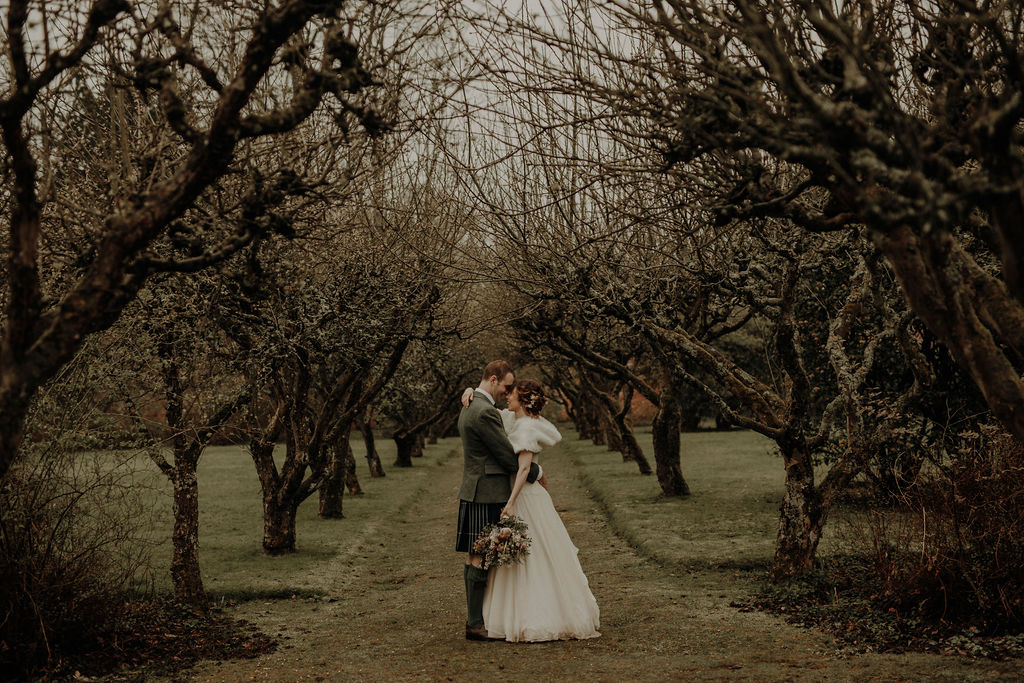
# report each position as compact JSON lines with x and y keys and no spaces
{"x":531,"y":395}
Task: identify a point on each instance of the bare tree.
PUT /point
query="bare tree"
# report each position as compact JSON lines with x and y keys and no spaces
{"x":902,"y":116}
{"x":365,"y":423}
{"x":770,"y":124}
{"x":227,"y":62}
{"x":177,"y":376}
{"x":605,"y":358}
{"x":325,"y":331}
{"x":434,"y":372}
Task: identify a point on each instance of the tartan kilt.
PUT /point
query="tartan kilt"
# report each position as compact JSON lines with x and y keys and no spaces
{"x":473,"y":517}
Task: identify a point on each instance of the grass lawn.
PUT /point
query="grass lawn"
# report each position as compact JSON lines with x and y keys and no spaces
{"x":231,"y":555}
{"x":386,"y":577}
{"x":725,"y":533}
{"x":728,"y":521}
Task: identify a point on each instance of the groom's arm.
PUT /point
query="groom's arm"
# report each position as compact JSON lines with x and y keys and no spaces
{"x":492,"y":433}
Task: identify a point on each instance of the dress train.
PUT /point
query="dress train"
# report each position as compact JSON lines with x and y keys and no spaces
{"x":547,"y":595}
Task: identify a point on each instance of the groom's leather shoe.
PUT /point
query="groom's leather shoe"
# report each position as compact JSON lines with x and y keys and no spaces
{"x":478,"y":633}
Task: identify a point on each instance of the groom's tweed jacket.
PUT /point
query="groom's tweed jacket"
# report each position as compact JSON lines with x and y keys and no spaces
{"x":489,"y":460}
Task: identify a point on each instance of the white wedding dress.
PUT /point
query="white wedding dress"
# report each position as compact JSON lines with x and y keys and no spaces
{"x":547,"y":595}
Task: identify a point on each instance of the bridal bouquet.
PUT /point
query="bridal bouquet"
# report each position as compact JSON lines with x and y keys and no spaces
{"x":503,"y":543}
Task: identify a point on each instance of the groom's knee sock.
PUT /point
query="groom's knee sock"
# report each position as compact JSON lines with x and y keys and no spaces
{"x":469,"y":593}
{"x":476,"y":586}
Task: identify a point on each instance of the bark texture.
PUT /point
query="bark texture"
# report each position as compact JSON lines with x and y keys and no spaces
{"x":801,"y":516}
{"x":185,"y":574}
{"x":665,"y":433}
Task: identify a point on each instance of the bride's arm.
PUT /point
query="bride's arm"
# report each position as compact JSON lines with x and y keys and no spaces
{"x":525,"y":458}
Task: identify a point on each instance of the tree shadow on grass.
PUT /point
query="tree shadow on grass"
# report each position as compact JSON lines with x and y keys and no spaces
{"x":279,"y":593}
{"x":159,"y":637}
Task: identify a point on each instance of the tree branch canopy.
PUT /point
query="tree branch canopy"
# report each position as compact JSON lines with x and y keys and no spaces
{"x":904,"y":117}
{"x":39,"y":336}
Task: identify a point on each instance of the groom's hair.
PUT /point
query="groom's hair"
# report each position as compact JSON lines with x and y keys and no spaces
{"x":498,"y":368}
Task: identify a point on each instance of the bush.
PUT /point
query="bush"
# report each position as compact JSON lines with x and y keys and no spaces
{"x":956,"y":551}
{"x":67,"y":554}
{"x":70,"y":541}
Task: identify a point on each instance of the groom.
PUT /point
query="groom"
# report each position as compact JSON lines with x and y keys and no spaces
{"x":489,"y":461}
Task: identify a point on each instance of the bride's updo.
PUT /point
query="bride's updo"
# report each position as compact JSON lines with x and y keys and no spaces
{"x":531,"y":396}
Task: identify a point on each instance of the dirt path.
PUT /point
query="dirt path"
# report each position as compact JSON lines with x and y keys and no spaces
{"x":397,"y":610}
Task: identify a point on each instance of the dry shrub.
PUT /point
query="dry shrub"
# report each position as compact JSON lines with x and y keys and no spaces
{"x":955,"y":551}
{"x":73,"y":537}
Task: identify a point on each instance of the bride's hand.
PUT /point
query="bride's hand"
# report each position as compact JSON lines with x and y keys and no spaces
{"x":508,"y":511}
{"x":467,"y":396}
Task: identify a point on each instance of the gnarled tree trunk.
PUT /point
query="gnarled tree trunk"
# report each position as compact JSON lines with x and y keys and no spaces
{"x":406,"y":445}
{"x":278,"y":511}
{"x":597,"y":430}
{"x":801,"y":515}
{"x":665,"y":432}
{"x":185,"y":575}
{"x":631,"y":450}
{"x":588,"y":423}
{"x":188,"y":442}
{"x":278,"y":526}
{"x":332,"y":488}
{"x":351,"y":478}
{"x":14,"y":403}
{"x":628,"y":446}
{"x":968,"y":309}
{"x":689,"y":420}
{"x":612,"y":432}
{"x":372,"y":457}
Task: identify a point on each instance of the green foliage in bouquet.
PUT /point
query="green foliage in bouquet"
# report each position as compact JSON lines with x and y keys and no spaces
{"x":503,"y":543}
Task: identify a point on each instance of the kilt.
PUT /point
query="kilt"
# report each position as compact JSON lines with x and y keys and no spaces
{"x":473,"y":517}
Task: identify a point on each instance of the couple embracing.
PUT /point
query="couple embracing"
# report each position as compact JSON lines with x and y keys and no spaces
{"x":546,"y":596}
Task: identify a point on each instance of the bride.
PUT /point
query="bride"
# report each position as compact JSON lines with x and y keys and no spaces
{"x":547,"y":595}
